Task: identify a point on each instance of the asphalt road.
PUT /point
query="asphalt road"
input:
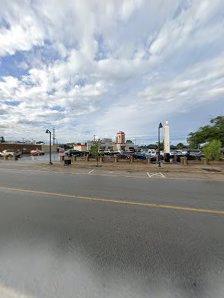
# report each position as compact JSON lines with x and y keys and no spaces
{"x":64,"y":235}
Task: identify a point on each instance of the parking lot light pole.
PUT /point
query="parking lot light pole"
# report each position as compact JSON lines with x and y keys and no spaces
{"x":97,"y":154}
{"x":160,"y":126}
{"x":48,"y":131}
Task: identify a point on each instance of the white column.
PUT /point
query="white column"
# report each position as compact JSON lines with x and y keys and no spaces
{"x":166,"y":137}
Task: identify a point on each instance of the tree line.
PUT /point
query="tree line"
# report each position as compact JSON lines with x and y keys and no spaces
{"x":211,"y":136}
{"x":208,"y":133}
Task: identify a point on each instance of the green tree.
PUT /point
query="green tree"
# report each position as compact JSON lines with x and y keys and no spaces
{"x":173,"y":147}
{"x":180,"y":145}
{"x":208,"y":133}
{"x":212,"y":151}
{"x":152,"y":146}
{"x":2,"y":140}
{"x":95,"y":151}
{"x":129,"y":142}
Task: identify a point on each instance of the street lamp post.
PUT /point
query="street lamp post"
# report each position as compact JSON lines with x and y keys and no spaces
{"x":160,"y":126}
{"x":48,"y":131}
{"x":97,"y":151}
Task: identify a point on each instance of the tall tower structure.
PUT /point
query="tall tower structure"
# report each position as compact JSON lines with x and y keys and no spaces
{"x":166,"y":138}
{"x":120,"y":138}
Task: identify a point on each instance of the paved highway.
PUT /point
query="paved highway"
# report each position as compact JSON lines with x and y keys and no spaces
{"x":65,"y":235}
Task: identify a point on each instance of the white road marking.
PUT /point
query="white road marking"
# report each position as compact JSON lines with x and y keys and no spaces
{"x":91,"y":171}
{"x":161,"y":175}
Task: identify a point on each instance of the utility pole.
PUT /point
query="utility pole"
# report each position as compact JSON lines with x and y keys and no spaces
{"x":160,"y":126}
{"x":96,"y":148}
{"x":54,"y":138}
{"x":48,"y":131}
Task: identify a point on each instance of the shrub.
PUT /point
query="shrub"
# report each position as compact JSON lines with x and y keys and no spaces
{"x":212,"y":151}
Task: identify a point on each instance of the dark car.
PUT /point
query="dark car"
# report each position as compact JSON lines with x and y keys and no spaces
{"x":122,"y":156}
{"x":139,"y":156}
{"x":155,"y":158}
{"x":198,"y":156}
{"x":176,"y":157}
{"x":72,"y":152}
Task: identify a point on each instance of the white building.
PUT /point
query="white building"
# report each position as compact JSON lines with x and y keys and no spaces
{"x":80,"y":147}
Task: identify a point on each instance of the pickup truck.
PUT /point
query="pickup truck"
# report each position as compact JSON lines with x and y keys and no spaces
{"x":6,"y":153}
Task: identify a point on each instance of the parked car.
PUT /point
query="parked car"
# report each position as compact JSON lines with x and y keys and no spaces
{"x":155,"y":158}
{"x":111,"y":153}
{"x":122,"y":156}
{"x":7,"y":153}
{"x":37,"y":152}
{"x":195,"y":156}
{"x":194,"y":152}
{"x":189,"y":156}
{"x":152,"y":152}
{"x":107,"y":152}
{"x":72,"y":152}
{"x":141,"y":156}
{"x":180,"y":152}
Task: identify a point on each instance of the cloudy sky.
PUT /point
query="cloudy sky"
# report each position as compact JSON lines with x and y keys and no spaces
{"x":95,"y":67}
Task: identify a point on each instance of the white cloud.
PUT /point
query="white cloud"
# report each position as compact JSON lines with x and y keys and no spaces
{"x":86,"y":61}
{"x":6,"y":292}
{"x":23,"y":31}
{"x":198,"y":83}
